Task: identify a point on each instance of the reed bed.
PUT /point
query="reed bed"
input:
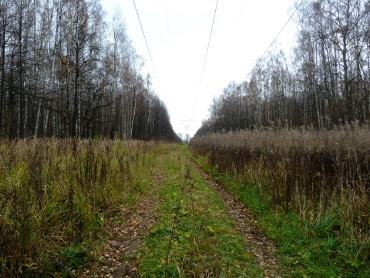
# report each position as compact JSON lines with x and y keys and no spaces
{"x":306,"y":171}
{"x":55,"y":194}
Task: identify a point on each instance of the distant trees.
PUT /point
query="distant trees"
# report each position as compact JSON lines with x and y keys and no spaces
{"x":65,"y":72}
{"x":325,"y":83}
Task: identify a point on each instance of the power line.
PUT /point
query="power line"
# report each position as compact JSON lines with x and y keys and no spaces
{"x":205,"y":59}
{"x":209,"y":42}
{"x":281,"y":30}
{"x":147,"y":45}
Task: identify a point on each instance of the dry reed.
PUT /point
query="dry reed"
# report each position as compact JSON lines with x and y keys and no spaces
{"x":307,"y":171}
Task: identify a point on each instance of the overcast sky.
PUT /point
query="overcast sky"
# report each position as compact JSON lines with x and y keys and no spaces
{"x":178,"y":31}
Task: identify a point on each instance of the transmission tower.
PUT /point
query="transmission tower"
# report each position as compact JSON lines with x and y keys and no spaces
{"x":186,"y":124}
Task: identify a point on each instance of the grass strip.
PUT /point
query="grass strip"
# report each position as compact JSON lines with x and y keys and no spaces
{"x":194,"y":235}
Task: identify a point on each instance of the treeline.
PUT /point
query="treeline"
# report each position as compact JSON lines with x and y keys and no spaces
{"x":324,"y":83}
{"x":65,"y":72}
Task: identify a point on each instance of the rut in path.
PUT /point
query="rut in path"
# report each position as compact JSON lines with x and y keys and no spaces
{"x":261,"y":246}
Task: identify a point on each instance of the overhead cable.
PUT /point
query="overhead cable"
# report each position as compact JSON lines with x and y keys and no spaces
{"x":205,"y":59}
{"x":147,"y":45}
{"x":281,"y":30}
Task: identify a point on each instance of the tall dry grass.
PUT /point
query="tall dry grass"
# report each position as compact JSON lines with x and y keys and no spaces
{"x":54,"y":195}
{"x":306,"y":171}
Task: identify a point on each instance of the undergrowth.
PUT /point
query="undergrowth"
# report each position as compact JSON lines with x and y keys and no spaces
{"x":54,"y":196}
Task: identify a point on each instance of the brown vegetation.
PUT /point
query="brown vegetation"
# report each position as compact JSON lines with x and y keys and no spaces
{"x":305,"y":171}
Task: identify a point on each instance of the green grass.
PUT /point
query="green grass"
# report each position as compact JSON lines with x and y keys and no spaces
{"x":194,"y":235}
{"x":316,"y":246}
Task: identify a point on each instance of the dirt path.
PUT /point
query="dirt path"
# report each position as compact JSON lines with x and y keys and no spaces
{"x":262,"y":247}
{"x":128,"y":229}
